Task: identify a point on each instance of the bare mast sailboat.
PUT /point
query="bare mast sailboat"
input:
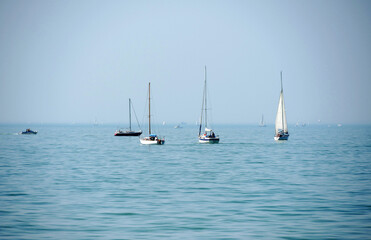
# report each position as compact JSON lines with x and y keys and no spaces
{"x":129,"y":132}
{"x":152,"y":138}
{"x":208,"y":136}
{"x":281,"y":131}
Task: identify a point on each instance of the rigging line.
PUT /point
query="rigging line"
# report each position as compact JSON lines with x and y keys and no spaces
{"x":149,"y":108}
{"x":202,"y":108}
{"x":155,"y":125}
{"x":135,"y":115}
{"x":283,"y":124}
{"x":144,"y":115}
{"x":130,"y":114}
{"x":205,"y":99}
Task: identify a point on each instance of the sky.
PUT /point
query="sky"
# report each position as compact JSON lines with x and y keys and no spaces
{"x":80,"y":61}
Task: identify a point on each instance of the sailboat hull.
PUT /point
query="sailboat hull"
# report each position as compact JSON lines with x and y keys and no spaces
{"x":208,"y":140}
{"x":282,"y":137}
{"x":145,"y":141}
{"x":128,"y":133}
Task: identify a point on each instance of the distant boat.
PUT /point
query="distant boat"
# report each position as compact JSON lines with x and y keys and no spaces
{"x":262,"y":124}
{"x":152,"y":138}
{"x":95,"y":122}
{"x":28,"y":131}
{"x":208,"y":136}
{"x":178,"y":126}
{"x":129,"y":132}
{"x":281,"y":122}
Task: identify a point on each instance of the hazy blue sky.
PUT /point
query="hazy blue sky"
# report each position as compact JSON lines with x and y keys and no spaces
{"x":77,"y":61}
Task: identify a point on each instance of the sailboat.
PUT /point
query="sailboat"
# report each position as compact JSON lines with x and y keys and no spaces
{"x":129,"y":132}
{"x":262,"y":124}
{"x":208,"y":136}
{"x":281,"y":130}
{"x":152,"y":138}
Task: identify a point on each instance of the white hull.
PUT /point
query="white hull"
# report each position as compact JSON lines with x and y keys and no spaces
{"x":208,"y":140}
{"x":152,"y":139}
{"x":148,"y":142}
{"x":152,"y":142}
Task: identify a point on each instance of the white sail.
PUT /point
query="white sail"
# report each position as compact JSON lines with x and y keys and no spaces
{"x":284,"y":115}
{"x":281,"y":122}
{"x":281,"y":130}
{"x":208,"y":136}
{"x":279,"y":116}
{"x":262,"y":124}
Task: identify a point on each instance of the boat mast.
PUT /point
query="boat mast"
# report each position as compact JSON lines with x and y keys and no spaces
{"x":205,"y":94}
{"x":129,"y":114}
{"x":203,"y":104}
{"x":149,"y":108}
{"x":283,"y":124}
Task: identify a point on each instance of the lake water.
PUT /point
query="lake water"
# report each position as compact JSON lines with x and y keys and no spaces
{"x":81,"y":182}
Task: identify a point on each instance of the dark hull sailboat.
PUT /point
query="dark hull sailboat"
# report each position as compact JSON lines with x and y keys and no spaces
{"x":129,"y":132}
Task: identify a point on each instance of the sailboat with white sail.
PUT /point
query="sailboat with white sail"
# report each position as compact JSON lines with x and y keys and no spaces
{"x":208,"y":136}
{"x":281,"y":131}
{"x":262,"y":124}
{"x":129,"y":132}
{"x":152,"y":139}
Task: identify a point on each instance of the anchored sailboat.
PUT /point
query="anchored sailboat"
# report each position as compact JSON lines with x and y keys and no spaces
{"x":281,"y":130}
{"x":129,"y":132}
{"x":262,"y":124}
{"x":208,"y":136}
{"x":152,"y":138}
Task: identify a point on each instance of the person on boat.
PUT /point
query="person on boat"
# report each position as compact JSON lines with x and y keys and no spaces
{"x":280,"y":133}
{"x":212,"y":134}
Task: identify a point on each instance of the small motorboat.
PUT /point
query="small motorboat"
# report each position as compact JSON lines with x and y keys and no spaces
{"x":28,"y":131}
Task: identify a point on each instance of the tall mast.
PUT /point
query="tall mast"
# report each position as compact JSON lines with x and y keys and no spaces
{"x":149,"y":108}
{"x":205,"y":94}
{"x":283,"y":124}
{"x":202,"y":111}
{"x":129,"y":114}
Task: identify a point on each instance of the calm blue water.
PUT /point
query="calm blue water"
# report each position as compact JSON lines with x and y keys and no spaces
{"x":81,"y":182}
